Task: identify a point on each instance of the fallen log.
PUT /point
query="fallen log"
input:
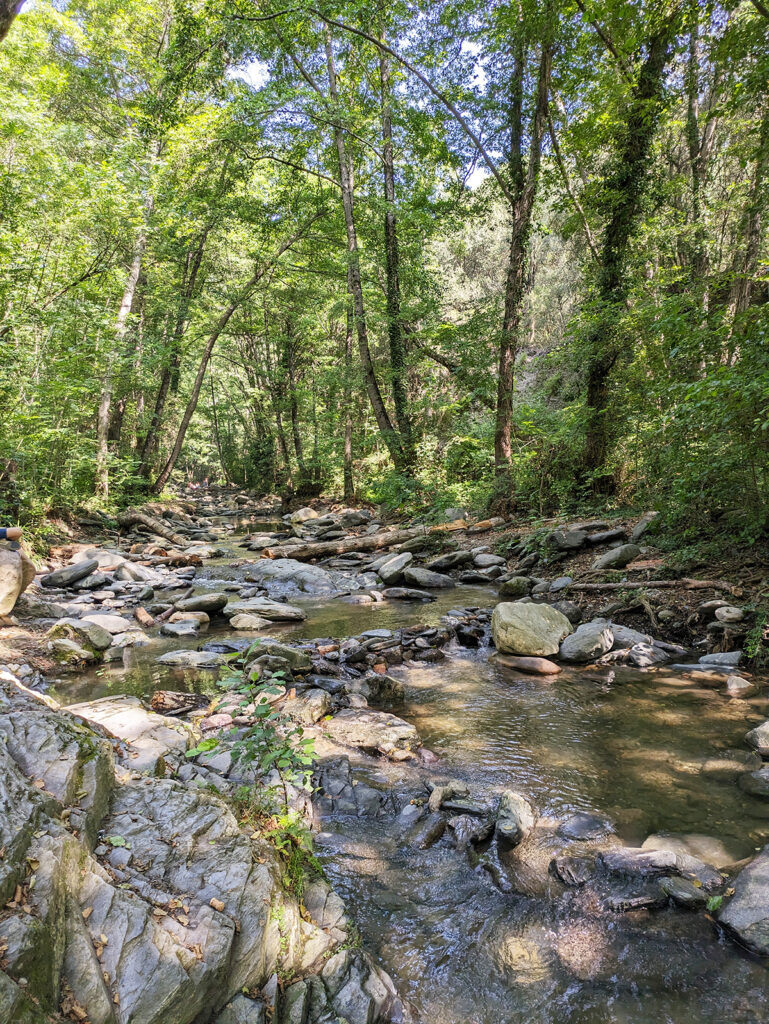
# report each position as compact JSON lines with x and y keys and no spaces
{"x":658,"y":584}
{"x":133,"y":517}
{"x":323,"y":548}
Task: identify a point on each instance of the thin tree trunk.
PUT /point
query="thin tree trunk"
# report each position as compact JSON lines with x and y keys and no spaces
{"x":349,"y":487}
{"x":224,"y":319}
{"x":392,"y":266}
{"x":217,"y":438}
{"x":386,"y":429}
{"x":759,"y":197}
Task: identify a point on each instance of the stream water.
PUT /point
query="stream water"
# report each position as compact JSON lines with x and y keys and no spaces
{"x":648,"y":751}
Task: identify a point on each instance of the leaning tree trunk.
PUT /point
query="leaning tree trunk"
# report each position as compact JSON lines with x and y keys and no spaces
{"x":8,"y":11}
{"x":224,"y":319}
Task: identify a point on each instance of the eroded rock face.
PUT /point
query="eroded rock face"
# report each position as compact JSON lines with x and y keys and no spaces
{"x":372,"y":730}
{"x":746,"y":915}
{"x":16,"y":574}
{"x":174,"y":912}
{"x":284,"y":575}
{"x":528,"y":629}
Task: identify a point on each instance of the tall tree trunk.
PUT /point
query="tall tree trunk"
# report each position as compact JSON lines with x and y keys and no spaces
{"x":747,"y":261}
{"x":8,"y":11}
{"x":217,"y":437}
{"x":349,"y":487}
{"x":623,"y":189}
{"x":105,"y":401}
{"x":386,"y":429}
{"x":524,"y":181}
{"x":392,"y":267}
{"x":171,"y":369}
{"x":222,"y":322}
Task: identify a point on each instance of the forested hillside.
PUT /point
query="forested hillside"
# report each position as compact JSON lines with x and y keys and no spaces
{"x":511,"y":256}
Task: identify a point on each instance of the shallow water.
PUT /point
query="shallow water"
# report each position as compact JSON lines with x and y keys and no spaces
{"x":649,"y":751}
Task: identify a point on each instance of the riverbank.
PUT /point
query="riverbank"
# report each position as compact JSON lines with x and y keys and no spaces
{"x":505,"y":825}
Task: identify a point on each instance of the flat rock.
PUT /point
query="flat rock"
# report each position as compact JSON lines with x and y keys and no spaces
{"x":528,"y":629}
{"x":427,"y":578}
{"x":758,"y":738}
{"x":391,"y":569}
{"x":151,"y":736}
{"x":275,"y":611}
{"x":407,"y":594}
{"x":191,"y":659}
{"x":583,"y":827}
{"x":285,"y":575}
{"x":210,"y":603}
{"x":248,"y":621}
{"x":70,"y":574}
{"x":112,"y":623}
{"x":372,"y":730}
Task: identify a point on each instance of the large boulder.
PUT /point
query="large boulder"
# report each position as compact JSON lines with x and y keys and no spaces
{"x":617,"y":558}
{"x":373,"y":731}
{"x":114,"y":624}
{"x":16,"y":574}
{"x":150,"y":736}
{"x":427,"y":578}
{"x":283,"y":575}
{"x":529,"y":629}
{"x":70,"y":573}
{"x":758,"y":738}
{"x":89,"y":635}
{"x":515,"y":817}
{"x":588,"y":642}
{"x":746,"y":915}
{"x":391,"y":570}
{"x":210,"y":603}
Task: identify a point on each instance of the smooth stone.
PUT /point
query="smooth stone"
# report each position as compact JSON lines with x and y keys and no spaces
{"x":738,"y":686}
{"x":683,"y":892}
{"x":407,"y":594}
{"x":535,"y":666}
{"x":392,"y":570}
{"x":746,"y":915}
{"x":728,"y":613}
{"x":70,"y":574}
{"x":528,"y":629}
{"x":247,"y":621}
{"x":112,"y":623}
{"x":516,"y":586}
{"x":583,"y":827}
{"x":87,"y":634}
{"x":568,"y":540}
{"x":723,"y":658}
{"x":210,"y":603}
{"x":758,"y":738}
{"x":191,"y":659}
{"x":452,"y":560}
{"x":710,"y":849}
{"x":515,"y":817}
{"x":755,"y":783}
{"x":588,"y":642}
{"x":427,"y":578}
{"x":486,"y":561}
{"x":275,"y":611}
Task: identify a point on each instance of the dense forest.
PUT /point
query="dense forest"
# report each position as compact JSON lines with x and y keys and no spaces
{"x":502,"y":255}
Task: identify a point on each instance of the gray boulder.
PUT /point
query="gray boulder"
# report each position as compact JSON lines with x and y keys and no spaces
{"x":391,"y":570}
{"x":515,"y":817}
{"x":568,"y":540}
{"x":617,"y":558}
{"x":758,"y":738}
{"x":746,"y":915}
{"x":90,"y":635}
{"x":16,"y":574}
{"x":427,"y":578}
{"x":70,"y":574}
{"x":530,"y":629}
{"x":516,"y":586}
{"x":211,"y":603}
{"x":373,"y":731}
{"x":588,"y":642}
{"x":275,"y":611}
{"x":286,"y":575}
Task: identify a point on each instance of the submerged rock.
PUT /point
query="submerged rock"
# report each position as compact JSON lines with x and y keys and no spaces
{"x":515,"y":817}
{"x":528,"y":629}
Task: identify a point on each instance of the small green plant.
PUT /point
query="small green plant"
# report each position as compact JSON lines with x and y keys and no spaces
{"x":757,"y":639}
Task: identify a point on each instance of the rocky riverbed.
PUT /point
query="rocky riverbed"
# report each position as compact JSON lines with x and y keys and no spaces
{"x":538,"y":832}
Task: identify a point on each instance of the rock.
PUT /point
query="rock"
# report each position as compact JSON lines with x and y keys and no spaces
{"x":303,"y":515}
{"x":285,"y":575}
{"x":755,"y":783}
{"x":570,"y":609}
{"x":536,"y":666}
{"x":275,"y":611}
{"x":758,"y":738}
{"x":210,"y":603}
{"x":723,"y":658}
{"x":192,"y":659}
{"x":242,"y":1010}
{"x":16,"y":573}
{"x":181,"y":628}
{"x":406,"y":594}
{"x":446,"y":791}
{"x":729,"y":613}
{"x":427,"y":578}
{"x":151,"y":736}
{"x":70,"y":574}
{"x":88,"y":634}
{"x":746,"y":915}
{"x":588,"y":642}
{"x":297,"y":659}
{"x":248,"y":621}
{"x":606,"y":536}
{"x":112,"y":623}
{"x":450,"y":515}
{"x":515,"y":817}
{"x":643,"y":525}
{"x":427,"y":832}
{"x":583,"y":827}
{"x":202,"y":618}
{"x":30,"y":605}
{"x":738,"y":686}
{"x":69,"y":652}
{"x":468,"y":829}
{"x":684,"y":893}
{"x":310,"y":707}
{"x":528,"y":629}
{"x":485,"y":561}
{"x":568,"y":540}
{"x":573,"y":871}
{"x":373,"y":731}
{"x":562,"y":583}
{"x":617,"y":558}
{"x":391,"y":570}
{"x":517,"y":586}
{"x":473,"y":578}
{"x":647,"y":863}
{"x":452,"y":560}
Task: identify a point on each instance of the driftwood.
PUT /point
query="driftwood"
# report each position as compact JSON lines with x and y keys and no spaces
{"x":171,"y":702}
{"x":132,"y":517}
{"x":322,"y":548}
{"x":638,"y":584}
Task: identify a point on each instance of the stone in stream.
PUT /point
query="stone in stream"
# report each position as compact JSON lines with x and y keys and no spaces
{"x":640,"y":863}
{"x":275,"y":611}
{"x":473,"y":578}
{"x":617,"y":558}
{"x":516,"y":586}
{"x":528,"y":629}
{"x":182,"y":628}
{"x":536,"y":666}
{"x":88,"y":634}
{"x":210,"y":603}
{"x":738,"y":686}
{"x":282,"y":575}
{"x":391,"y":570}
{"x":583,"y":827}
{"x":112,"y":623}
{"x":573,"y":871}
{"x":191,"y":659}
{"x":248,"y":621}
{"x":758,"y":738}
{"x":452,"y":560}
{"x":746,"y":915}
{"x":298,"y":660}
{"x":407,"y":594}
{"x":69,"y":652}
{"x":722,"y":658}
{"x":70,"y":574}
{"x":755,"y":783}
{"x":515,"y":817}
{"x":588,"y":642}
{"x":373,"y":731}
{"x":427,"y":578}
{"x":683,"y":892}
{"x":426,"y":833}
{"x":468,"y":829}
